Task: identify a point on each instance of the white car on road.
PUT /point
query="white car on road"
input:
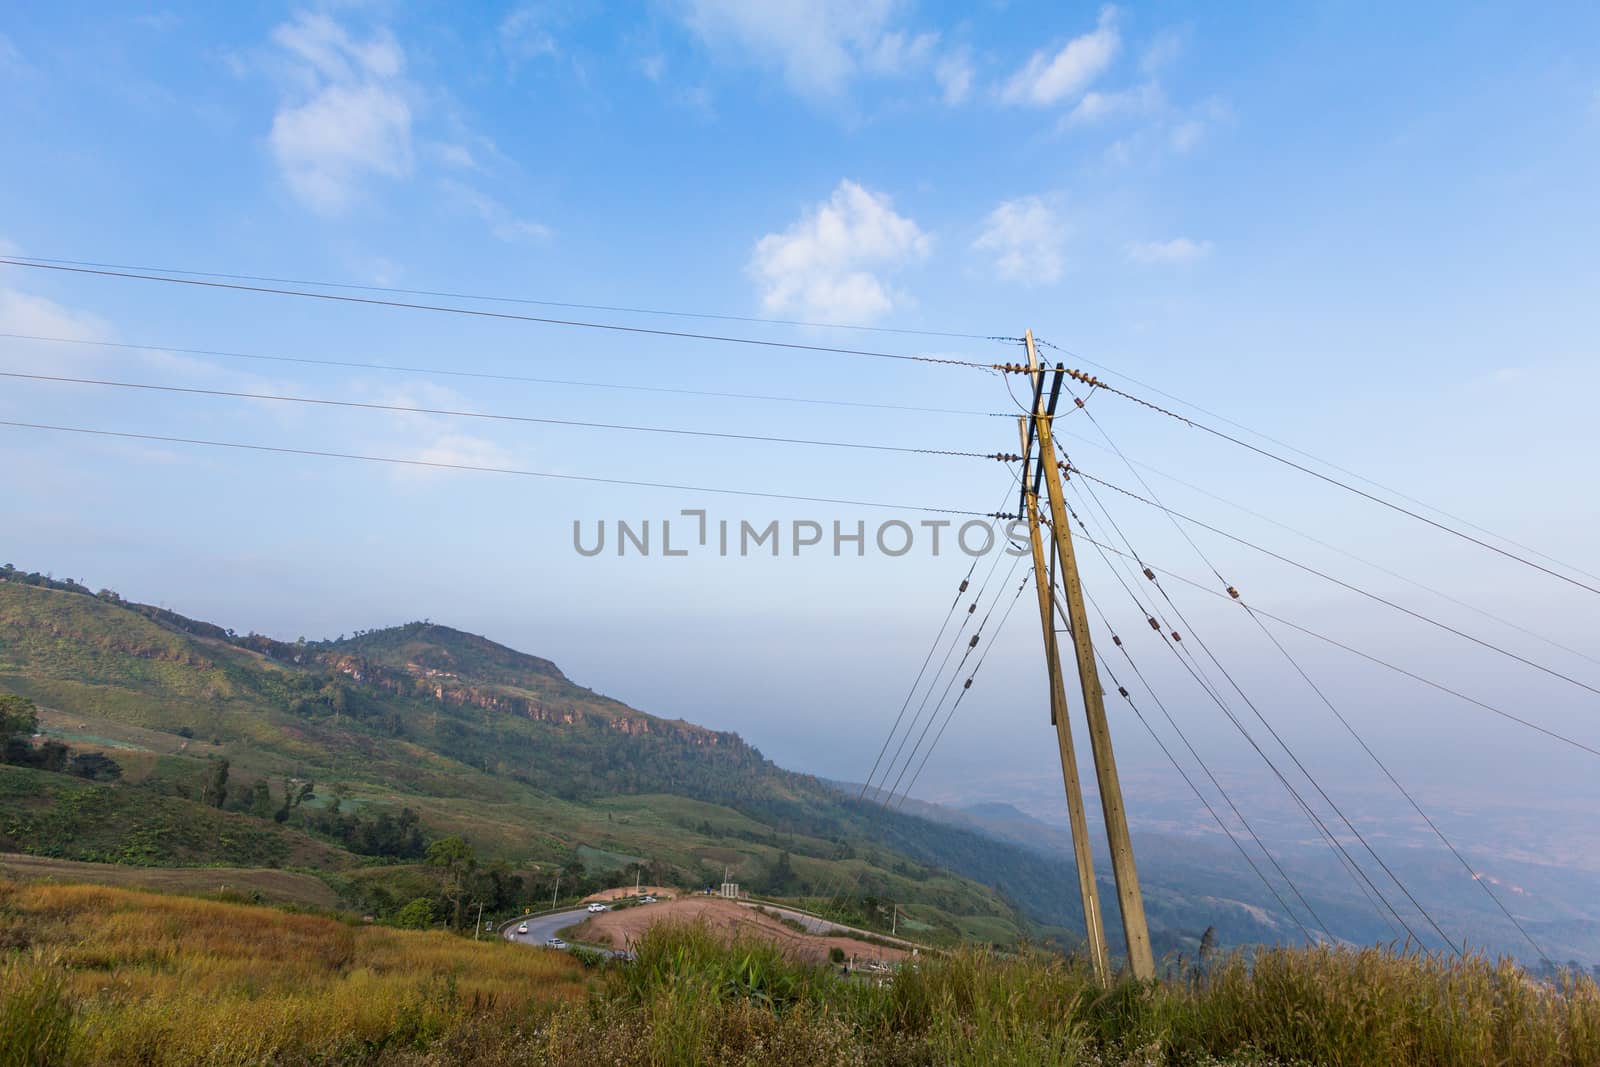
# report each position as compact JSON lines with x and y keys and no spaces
{"x":522,"y":929}
{"x":598,"y":907}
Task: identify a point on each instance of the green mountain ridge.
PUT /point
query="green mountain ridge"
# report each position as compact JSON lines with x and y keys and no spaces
{"x":467,"y":736}
{"x":417,"y":731}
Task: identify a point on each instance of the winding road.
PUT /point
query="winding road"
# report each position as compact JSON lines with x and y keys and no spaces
{"x":542,"y":928}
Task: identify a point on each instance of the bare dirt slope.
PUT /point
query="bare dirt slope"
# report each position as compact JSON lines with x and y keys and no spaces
{"x":727,"y":919}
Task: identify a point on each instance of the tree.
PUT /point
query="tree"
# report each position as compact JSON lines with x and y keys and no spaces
{"x":18,"y":716}
{"x":457,"y":859}
{"x":216,"y":791}
{"x":292,"y":796}
{"x":261,"y":799}
{"x":782,"y":877}
{"x":52,"y":756}
{"x":96,"y":766}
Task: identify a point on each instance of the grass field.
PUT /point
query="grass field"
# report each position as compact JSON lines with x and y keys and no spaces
{"x":94,"y":974}
{"x":267,"y":885}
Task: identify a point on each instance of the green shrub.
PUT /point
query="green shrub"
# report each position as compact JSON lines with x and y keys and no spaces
{"x":416,"y":915}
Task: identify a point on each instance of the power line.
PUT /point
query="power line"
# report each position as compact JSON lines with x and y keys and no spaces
{"x":503,"y":315}
{"x":965,"y":689}
{"x":934,"y":647}
{"x":1315,"y":784}
{"x":1358,"y":874}
{"x":539,"y":420}
{"x":939,"y":673}
{"x":1226,"y":829}
{"x":917,"y":681}
{"x":488,"y":376}
{"x":1471,"y":872}
{"x":1323,"y":696}
{"x":1059,"y":433}
{"x":524,"y":300}
{"x":1312,"y":456}
{"x":1339,"y":582}
{"x":844,"y":883}
{"x":1090,"y":380}
{"x":1182,"y":736}
{"x":977,"y":634}
{"x":1369,"y":657}
{"x":485,"y":469}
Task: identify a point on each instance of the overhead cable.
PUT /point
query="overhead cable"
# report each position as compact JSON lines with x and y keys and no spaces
{"x":280,"y":450}
{"x":756,"y":319}
{"x":481,"y":313}
{"x":540,"y":420}
{"x":1091,"y":380}
{"x":494,"y":377}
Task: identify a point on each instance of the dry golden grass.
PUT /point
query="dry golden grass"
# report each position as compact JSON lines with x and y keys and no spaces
{"x":154,"y":979}
{"x":91,"y":975}
{"x":270,"y":886}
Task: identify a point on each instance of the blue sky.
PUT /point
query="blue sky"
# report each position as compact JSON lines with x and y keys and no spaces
{"x":1370,"y":233}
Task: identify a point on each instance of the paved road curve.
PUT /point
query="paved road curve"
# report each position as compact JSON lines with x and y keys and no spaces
{"x":544,"y":927}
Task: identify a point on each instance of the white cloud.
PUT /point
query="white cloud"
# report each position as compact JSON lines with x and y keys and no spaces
{"x":1177,"y":250}
{"x":898,"y":52}
{"x":159,"y":21}
{"x":350,"y":119}
{"x":1185,"y":135}
{"x":954,"y":74}
{"x":453,"y":155}
{"x":1026,"y":237}
{"x":431,"y":438}
{"x":464,"y":449}
{"x":1205,"y":117}
{"x":30,"y":316}
{"x":524,"y":37}
{"x":1162,"y":52}
{"x":824,"y":264}
{"x":1049,"y":79}
{"x":820,"y":45}
{"x":505,"y":225}
{"x":1095,"y":106}
{"x":24,"y":313}
{"x":10,"y":59}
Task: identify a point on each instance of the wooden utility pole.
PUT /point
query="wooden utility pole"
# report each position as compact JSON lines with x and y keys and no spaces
{"x":1131,"y":902}
{"x":1093,"y":921}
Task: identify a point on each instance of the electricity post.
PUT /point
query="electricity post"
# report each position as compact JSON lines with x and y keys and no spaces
{"x":1130,"y":901}
{"x":1093,"y":921}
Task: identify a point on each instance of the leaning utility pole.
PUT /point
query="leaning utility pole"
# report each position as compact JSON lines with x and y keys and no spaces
{"x":1131,"y":902}
{"x":1093,"y":921}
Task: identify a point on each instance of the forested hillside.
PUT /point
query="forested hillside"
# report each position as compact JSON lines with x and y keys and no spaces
{"x":339,"y":754}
